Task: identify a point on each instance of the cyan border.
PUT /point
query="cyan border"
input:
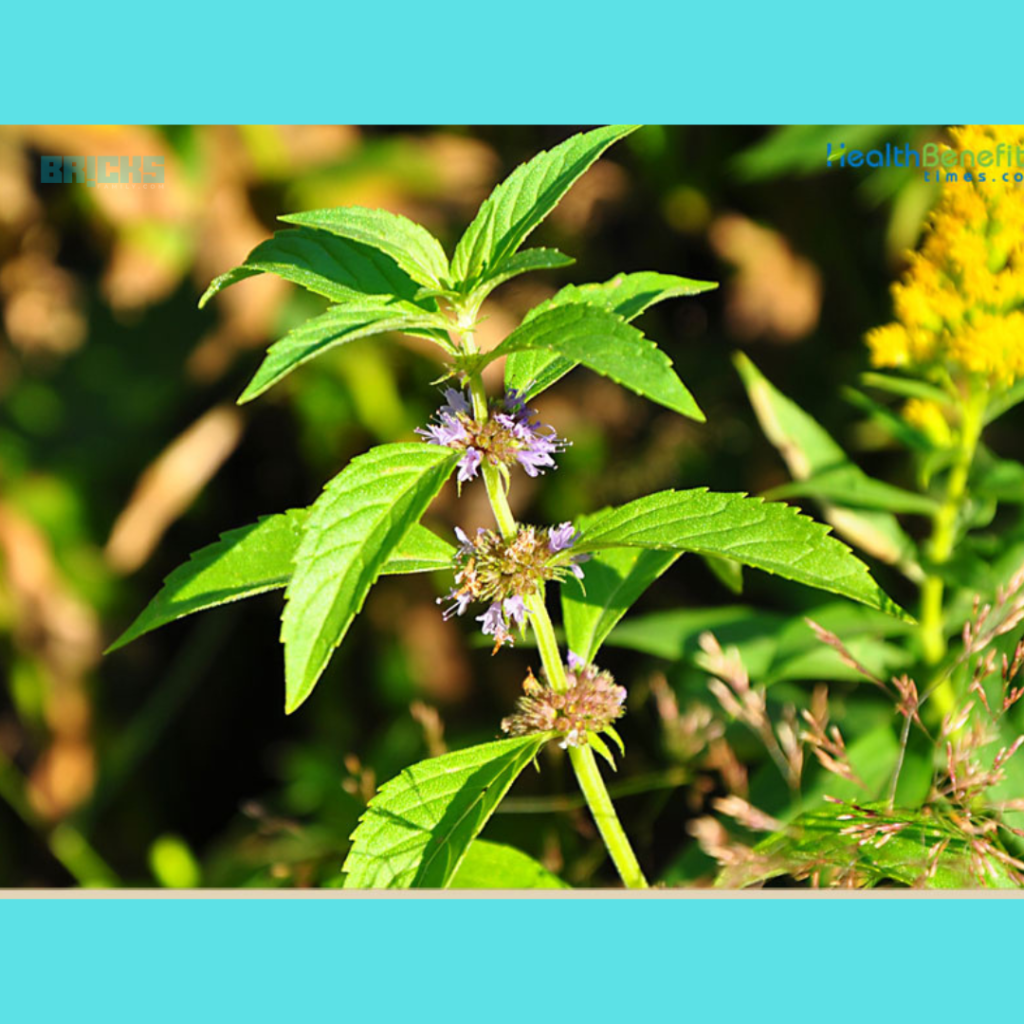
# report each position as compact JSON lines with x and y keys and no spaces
{"x":532,"y":61}
{"x":843,"y":960}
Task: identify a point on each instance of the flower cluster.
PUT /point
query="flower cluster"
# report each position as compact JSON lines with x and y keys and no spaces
{"x":504,"y":573}
{"x":591,"y":703}
{"x":508,"y":435}
{"x":960,"y":305}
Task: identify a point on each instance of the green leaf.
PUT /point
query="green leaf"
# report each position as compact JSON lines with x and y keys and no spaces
{"x":258,"y":558}
{"x":998,"y":479}
{"x":421,"y":550}
{"x":770,"y":536}
{"x":353,"y":529}
{"x":338,"y":326}
{"x":848,"y":486}
{"x":417,"y":829}
{"x":907,"y":387}
{"x":519,"y":263}
{"x":892,"y":423}
{"x":523,"y":200}
{"x":614,"y":581}
{"x":625,"y":295}
{"x":1005,"y":402}
{"x":337,"y":268}
{"x":808,"y":449}
{"x":831,"y":841}
{"x":489,"y":865}
{"x":409,"y":244}
{"x":242,"y":563}
{"x":606,"y":344}
{"x":727,"y":572}
{"x":773,"y":647}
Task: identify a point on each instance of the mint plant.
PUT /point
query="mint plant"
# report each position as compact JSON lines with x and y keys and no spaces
{"x":383,"y":274}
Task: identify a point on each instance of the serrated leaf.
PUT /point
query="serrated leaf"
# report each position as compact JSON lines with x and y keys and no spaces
{"x":417,"y":829}
{"x":614,"y":581}
{"x":770,"y":536}
{"x":420,"y":550}
{"x":489,"y":865}
{"x":250,"y":560}
{"x":523,"y":200}
{"x":340,"y":269}
{"x":808,"y":448}
{"x":519,"y":263}
{"x":353,"y":529}
{"x":848,"y":486}
{"x":258,"y":558}
{"x":625,"y":295}
{"x":409,"y":244}
{"x":339,"y":326}
{"x":607,"y":345}
{"x":842,"y":841}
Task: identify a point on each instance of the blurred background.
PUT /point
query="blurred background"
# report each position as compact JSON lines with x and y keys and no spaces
{"x":171,"y":762}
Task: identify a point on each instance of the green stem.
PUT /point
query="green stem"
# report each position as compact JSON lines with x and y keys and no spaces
{"x":941,"y":544}
{"x":587,"y":773}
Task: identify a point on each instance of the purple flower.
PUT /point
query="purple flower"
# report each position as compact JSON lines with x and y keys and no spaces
{"x":494,"y":624}
{"x":515,"y":608}
{"x":575,"y":661}
{"x":562,"y":537}
{"x":469,"y":465}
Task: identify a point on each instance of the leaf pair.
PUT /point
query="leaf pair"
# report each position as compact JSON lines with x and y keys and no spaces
{"x":385,"y":272}
{"x":364,"y":524}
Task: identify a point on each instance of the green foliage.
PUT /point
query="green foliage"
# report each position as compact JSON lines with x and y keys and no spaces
{"x":353,"y":528}
{"x":418,"y":827}
{"x":338,"y":326}
{"x":522,"y":201}
{"x":809,"y":451}
{"x":873,"y":845}
{"x":411,"y":246}
{"x":605,"y":343}
{"x":496,"y":866}
{"x":763,"y":535}
{"x":625,"y":295}
{"x":615,"y":579}
{"x":339,"y":269}
{"x":257,"y":558}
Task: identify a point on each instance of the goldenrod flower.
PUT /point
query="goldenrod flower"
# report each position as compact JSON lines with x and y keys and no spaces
{"x":960,"y":305}
{"x":929,"y":418}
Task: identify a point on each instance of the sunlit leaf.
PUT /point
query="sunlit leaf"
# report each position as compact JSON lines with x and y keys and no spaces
{"x":337,"y":268}
{"x":339,"y":326}
{"x":417,"y":829}
{"x":496,"y":866}
{"x":523,"y":200}
{"x":764,"y":535}
{"x":353,"y":529}
{"x":615,"y":579}
{"x":625,"y":295}
{"x":605,"y":343}
{"x":409,"y":244}
{"x":257,"y":558}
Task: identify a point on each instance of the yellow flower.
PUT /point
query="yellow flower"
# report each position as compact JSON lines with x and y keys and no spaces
{"x":929,"y":418}
{"x":959,"y":303}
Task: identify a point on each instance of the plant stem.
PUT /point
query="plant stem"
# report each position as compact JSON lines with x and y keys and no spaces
{"x":587,"y":773}
{"x":941,"y":544}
